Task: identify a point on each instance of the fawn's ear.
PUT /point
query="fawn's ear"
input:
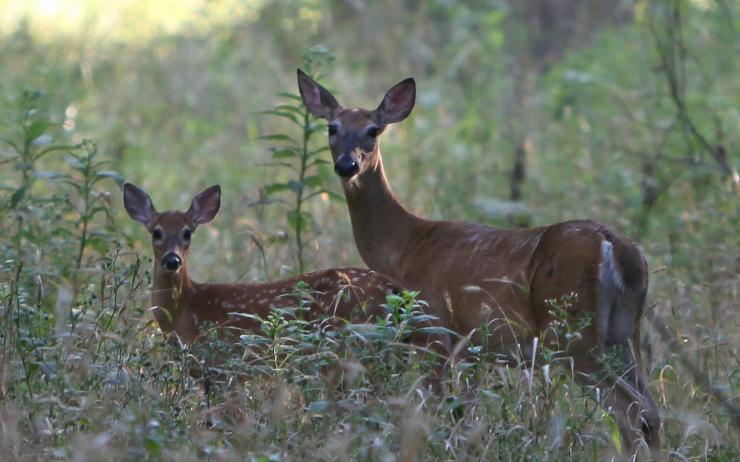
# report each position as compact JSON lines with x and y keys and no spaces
{"x":205,"y":205}
{"x":138,"y":204}
{"x":317,"y":99}
{"x":397,"y":102}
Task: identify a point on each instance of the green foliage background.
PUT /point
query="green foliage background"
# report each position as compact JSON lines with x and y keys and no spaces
{"x":171,"y":94}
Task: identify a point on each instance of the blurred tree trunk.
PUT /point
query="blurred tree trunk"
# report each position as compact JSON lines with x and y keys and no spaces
{"x":538,"y":33}
{"x":518,"y":173}
{"x":554,"y":26}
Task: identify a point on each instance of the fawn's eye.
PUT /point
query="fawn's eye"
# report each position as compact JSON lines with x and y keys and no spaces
{"x":186,"y":234}
{"x":332,"y":129}
{"x":373,"y":132}
{"x":157,"y":234}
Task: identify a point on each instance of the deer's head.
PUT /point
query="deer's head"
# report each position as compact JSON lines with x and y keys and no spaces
{"x":354,"y":132}
{"x":171,"y":230}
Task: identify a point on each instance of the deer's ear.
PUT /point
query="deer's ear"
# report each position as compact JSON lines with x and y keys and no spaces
{"x":397,"y":102}
{"x":317,"y":99}
{"x":138,"y":204}
{"x":205,"y":205}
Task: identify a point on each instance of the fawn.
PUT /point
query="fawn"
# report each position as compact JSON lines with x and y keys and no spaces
{"x":184,"y":306}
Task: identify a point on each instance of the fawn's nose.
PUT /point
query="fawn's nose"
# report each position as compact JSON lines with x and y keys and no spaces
{"x":172,"y":261}
{"x":346,"y":167}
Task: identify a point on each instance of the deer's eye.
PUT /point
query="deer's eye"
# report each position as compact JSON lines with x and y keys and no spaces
{"x":186,"y":234}
{"x":332,"y":129}
{"x":373,"y":132}
{"x":157,"y":234}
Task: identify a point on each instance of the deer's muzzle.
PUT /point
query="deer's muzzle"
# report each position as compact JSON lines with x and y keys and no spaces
{"x":172,"y":261}
{"x":346,"y":167}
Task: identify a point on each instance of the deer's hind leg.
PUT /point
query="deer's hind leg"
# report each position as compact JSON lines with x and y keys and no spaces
{"x":621,"y":298}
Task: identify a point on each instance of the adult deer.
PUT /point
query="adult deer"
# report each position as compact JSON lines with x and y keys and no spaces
{"x":499,"y":283}
{"x":185,"y":306}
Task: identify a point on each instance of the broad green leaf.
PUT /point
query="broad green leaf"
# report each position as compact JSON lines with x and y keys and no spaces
{"x":290,"y":95}
{"x":17,"y":196}
{"x":613,"y":431}
{"x":48,"y":175}
{"x":318,"y":407}
{"x":77,"y":186}
{"x":37,"y":129}
{"x":312,"y":181}
{"x":319,"y":151}
{"x":277,"y":137}
{"x":95,"y":210}
{"x":98,"y":243}
{"x":252,"y":316}
{"x":278,"y":164}
{"x":424,"y":318}
{"x":318,"y":162}
{"x":283,"y":153}
{"x":76,"y":162}
{"x":153,"y":445}
{"x":62,"y":232}
{"x":394,"y":299}
{"x":335,"y":196}
{"x":294,"y":109}
{"x":276,"y":187}
{"x":12,"y":144}
{"x":295,"y":186}
{"x":54,"y":148}
{"x":313,"y":128}
{"x":434,"y":330}
{"x":284,"y":114}
{"x":115,"y":176}
{"x":298,"y":221}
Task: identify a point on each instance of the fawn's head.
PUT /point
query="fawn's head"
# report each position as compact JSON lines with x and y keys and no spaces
{"x":353,"y":132}
{"x":171,"y":230}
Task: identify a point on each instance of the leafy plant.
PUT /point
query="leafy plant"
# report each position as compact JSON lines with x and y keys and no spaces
{"x":29,"y":142}
{"x":25,"y":212}
{"x":85,"y":173}
{"x":296,"y":155}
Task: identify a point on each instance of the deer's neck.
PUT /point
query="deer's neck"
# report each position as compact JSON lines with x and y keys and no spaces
{"x":171,"y":296}
{"x":381,"y":225}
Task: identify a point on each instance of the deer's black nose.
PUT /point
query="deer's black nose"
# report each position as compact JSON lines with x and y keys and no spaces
{"x":172,"y":261}
{"x":346,"y":167}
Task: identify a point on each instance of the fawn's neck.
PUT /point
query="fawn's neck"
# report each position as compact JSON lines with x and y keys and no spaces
{"x":171,"y":296}
{"x":381,"y":225}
